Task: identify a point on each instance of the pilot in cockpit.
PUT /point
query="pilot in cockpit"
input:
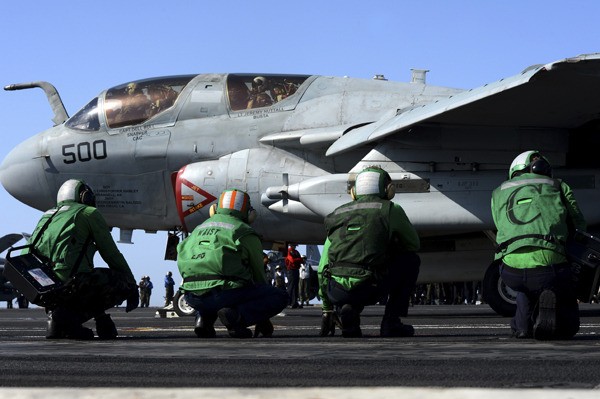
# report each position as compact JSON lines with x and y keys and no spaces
{"x":259,"y":95}
{"x":161,"y":97}
{"x":133,"y":107}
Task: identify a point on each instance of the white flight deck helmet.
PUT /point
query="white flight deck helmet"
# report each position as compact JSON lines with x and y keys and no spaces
{"x":530,"y":161}
{"x":373,"y":180}
{"x":76,"y":190}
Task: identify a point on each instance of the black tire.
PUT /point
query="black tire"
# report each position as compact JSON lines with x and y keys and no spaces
{"x":181,"y":307}
{"x":497,"y":294}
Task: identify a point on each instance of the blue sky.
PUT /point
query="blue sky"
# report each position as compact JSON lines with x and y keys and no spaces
{"x":85,"y":47}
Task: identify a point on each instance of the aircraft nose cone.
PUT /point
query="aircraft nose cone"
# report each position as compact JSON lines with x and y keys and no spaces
{"x":22,"y":175}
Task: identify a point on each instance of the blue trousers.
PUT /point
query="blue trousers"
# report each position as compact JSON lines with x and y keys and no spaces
{"x":396,"y":286}
{"x":254,"y":303}
{"x":529,"y":284}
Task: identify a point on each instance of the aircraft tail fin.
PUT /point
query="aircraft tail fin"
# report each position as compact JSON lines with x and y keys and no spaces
{"x":313,"y":256}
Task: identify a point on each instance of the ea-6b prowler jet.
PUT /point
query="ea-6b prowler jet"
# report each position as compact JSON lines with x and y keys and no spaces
{"x":159,"y":151}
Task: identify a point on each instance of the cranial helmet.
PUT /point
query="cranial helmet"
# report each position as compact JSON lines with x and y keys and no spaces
{"x":373,"y":180}
{"x":235,"y":203}
{"x":130,"y":88}
{"x":530,"y":162}
{"x":259,"y":84}
{"x":76,"y":190}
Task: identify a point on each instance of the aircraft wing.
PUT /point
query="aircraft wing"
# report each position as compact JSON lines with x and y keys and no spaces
{"x":561,"y":94}
{"x":9,"y":240}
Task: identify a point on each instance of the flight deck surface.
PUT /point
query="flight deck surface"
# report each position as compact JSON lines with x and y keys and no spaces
{"x":453,"y":346}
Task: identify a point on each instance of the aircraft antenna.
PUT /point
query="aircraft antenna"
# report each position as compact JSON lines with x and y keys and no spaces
{"x":284,"y":193}
{"x":419,"y":76}
{"x":60,"y":113}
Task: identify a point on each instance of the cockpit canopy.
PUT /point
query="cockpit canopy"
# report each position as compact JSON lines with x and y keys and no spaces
{"x":256,"y":91}
{"x":136,"y":102}
{"x":131,"y":103}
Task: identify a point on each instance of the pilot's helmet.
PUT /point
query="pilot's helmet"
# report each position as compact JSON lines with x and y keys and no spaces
{"x":259,"y":84}
{"x":373,"y":180}
{"x":273,"y":256}
{"x":235,"y":203}
{"x":530,"y":162}
{"x":130,"y":88}
{"x":76,"y":190}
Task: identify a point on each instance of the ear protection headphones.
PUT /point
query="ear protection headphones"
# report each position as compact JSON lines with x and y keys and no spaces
{"x":389,"y":191}
{"x":87,"y":196}
{"x":540,"y":167}
{"x":251,"y":213}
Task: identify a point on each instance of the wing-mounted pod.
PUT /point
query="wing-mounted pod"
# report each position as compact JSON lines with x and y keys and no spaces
{"x":459,"y":202}
{"x":319,"y":196}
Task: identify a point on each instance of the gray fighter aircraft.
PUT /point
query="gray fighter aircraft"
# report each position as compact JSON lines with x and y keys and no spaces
{"x":159,"y":151}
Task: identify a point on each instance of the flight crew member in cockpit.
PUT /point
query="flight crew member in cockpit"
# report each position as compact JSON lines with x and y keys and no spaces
{"x":221,"y":263}
{"x":534,"y":214}
{"x":259,"y":94}
{"x":370,"y":252}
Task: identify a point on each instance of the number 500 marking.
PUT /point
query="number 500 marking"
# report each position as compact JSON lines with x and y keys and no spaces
{"x":84,"y":152}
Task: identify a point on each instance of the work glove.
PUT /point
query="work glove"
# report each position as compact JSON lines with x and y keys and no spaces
{"x":133,"y":299}
{"x":328,"y":322}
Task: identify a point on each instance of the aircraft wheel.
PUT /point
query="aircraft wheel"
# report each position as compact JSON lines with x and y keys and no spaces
{"x":501,"y":298}
{"x":181,"y":307}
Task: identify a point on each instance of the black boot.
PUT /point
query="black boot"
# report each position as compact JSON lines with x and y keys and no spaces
{"x":545,"y":325}
{"x":393,"y":327}
{"x":205,"y":326}
{"x":105,"y":327}
{"x":327,"y":324}
{"x":54,"y":330}
{"x":234,"y":323}
{"x":264,"y":328}
{"x":350,"y":319}
{"x":64,"y":323}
